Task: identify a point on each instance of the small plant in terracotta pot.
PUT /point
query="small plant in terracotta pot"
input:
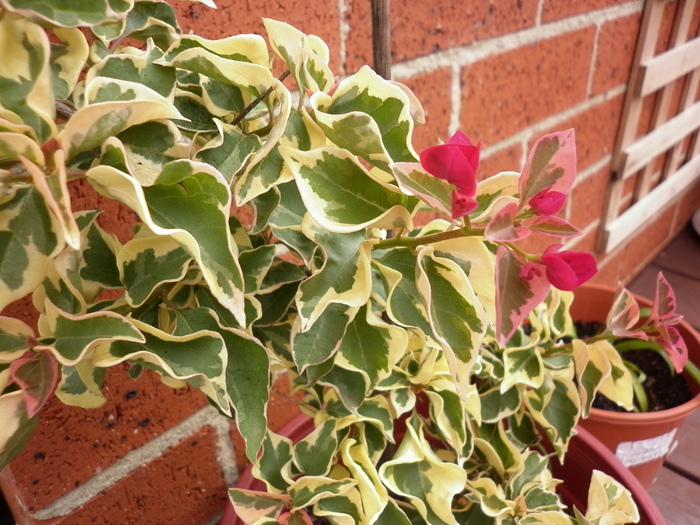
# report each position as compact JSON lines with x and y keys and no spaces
{"x":431,"y":394}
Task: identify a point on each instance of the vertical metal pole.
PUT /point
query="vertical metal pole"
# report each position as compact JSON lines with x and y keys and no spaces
{"x":381,"y":38}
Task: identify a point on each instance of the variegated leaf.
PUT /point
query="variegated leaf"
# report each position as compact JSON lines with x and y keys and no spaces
{"x":551,"y":165}
{"x":416,"y":473}
{"x":81,"y":385}
{"x":265,"y":168}
{"x":404,"y":305}
{"x":477,"y":262}
{"x":72,"y":337}
{"x":414,"y":180}
{"x":114,"y":106}
{"x":25,"y":75}
{"x":307,"y":490}
{"x":36,"y":375}
{"x":556,"y":407}
{"x":609,"y":501}
{"x":237,"y":71}
{"x":247,"y":372}
{"x":15,"y":338}
{"x":345,"y":277}
{"x":363,"y":470}
{"x":370,"y":117}
{"x":29,"y":236}
{"x":522,"y":366}
{"x":77,"y":13}
{"x":138,"y":66}
{"x":13,"y":146}
{"x":457,"y":319}
{"x":15,"y":426}
{"x":230,"y":151}
{"x":320,"y":341}
{"x":315,"y":453}
{"x":68,"y":60}
{"x":170,"y":355}
{"x":329,"y":176}
{"x":190,"y":202}
{"x":251,"y":506}
{"x":305,"y":56}
{"x":99,"y":261}
{"x":371,"y":346}
{"x":343,"y":510}
{"x":274,"y":466}
{"x":516,"y":297}
{"x":147,"y":262}
{"x":54,"y":190}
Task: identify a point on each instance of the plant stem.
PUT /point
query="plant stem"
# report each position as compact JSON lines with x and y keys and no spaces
{"x":257,"y":100}
{"x":412,"y":242}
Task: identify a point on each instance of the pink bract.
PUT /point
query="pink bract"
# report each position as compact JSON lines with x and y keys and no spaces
{"x":547,"y":202}
{"x":568,"y":270}
{"x":455,"y":162}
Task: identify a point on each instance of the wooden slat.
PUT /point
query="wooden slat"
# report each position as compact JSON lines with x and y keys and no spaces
{"x":686,"y":457}
{"x":632,"y":108}
{"x":625,"y":225}
{"x":670,"y":66}
{"x":662,"y":102}
{"x":678,"y":498}
{"x":638,"y":154}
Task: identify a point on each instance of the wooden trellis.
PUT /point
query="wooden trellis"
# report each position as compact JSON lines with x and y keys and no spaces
{"x":652,"y":166}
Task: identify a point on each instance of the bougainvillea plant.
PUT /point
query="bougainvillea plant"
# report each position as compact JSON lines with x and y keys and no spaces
{"x":276,"y":231}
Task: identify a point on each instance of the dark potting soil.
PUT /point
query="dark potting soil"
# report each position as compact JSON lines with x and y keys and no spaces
{"x":665,"y":389}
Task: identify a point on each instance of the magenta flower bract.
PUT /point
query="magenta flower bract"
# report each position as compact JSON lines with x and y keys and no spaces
{"x":568,"y":270}
{"x":455,"y":162}
{"x":547,"y":202}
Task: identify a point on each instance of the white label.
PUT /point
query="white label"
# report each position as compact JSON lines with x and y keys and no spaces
{"x":632,"y":453}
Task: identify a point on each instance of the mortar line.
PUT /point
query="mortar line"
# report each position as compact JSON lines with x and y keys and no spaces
{"x":455,"y":100}
{"x":552,"y":120}
{"x":594,"y":60}
{"x":344,"y":31}
{"x":470,"y":53}
{"x":130,"y":462}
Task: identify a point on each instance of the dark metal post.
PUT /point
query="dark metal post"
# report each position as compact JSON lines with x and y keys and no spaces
{"x":381,"y":38}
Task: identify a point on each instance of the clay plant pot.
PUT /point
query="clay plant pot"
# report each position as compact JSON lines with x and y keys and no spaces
{"x":641,"y":441}
{"x":585,"y":454}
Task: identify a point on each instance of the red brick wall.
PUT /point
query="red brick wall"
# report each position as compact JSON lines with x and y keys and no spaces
{"x":504,"y":72}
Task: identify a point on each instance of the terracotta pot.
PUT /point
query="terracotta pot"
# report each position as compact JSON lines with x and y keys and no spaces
{"x":641,"y":441}
{"x":585,"y":453}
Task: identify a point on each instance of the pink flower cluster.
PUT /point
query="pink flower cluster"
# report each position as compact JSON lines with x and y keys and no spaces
{"x":456,"y":162}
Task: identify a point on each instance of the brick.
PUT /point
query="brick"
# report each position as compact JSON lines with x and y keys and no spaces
{"x":643,"y":247}
{"x":136,"y":412}
{"x":185,"y":486}
{"x":587,"y":199}
{"x":614,"y":53}
{"x":234,"y":17}
{"x":358,"y":44}
{"x":609,"y":268}
{"x":507,"y":159}
{"x":115,"y":217}
{"x":688,"y":203}
{"x":588,"y":242}
{"x":422,"y":28}
{"x":596,"y":130}
{"x":506,"y":93}
{"x":557,"y":9}
{"x":433,"y":90}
